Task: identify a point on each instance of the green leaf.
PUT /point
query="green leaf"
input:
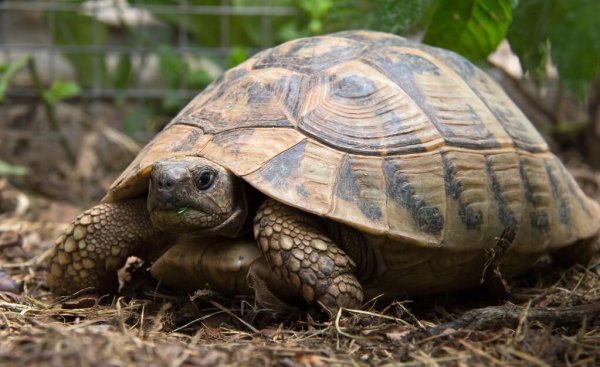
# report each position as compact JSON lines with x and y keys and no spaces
{"x":575,"y":43}
{"x":8,"y":72}
{"x":12,"y":170}
{"x":473,"y":28}
{"x":567,"y":30}
{"x":528,"y":36}
{"x":123,"y":74}
{"x":74,"y":29}
{"x":61,"y":90}
{"x":172,"y":67}
{"x":402,"y":17}
{"x":237,"y":55}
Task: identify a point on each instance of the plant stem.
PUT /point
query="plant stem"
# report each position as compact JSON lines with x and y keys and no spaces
{"x":49,"y":108}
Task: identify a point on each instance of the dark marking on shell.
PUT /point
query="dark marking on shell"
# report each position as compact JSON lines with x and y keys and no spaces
{"x":402,"y":71}
{"x":399,"y":190}
{"x":188,"y":142}
{"x":566,"y":176}
{"x":507,"y":217}
{"x":564,"y":213}
{"x":538,"y":218}
{"x":281,"y":170}
{"x":259,"y":93}
{"x":347,"y":188}
{"x":471,"y":218}
{"x":353,"y":87}
{"x":294,"y":95}
{"x":292,"y":58}
{"x":224,"y":82}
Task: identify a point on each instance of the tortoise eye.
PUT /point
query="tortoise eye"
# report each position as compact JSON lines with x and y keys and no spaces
{"x":204,"y":179}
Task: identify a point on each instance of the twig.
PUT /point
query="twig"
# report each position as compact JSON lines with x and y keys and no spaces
{"x":508,"y":315}
{"x":222,"y":308}
{"x":50,"y":113}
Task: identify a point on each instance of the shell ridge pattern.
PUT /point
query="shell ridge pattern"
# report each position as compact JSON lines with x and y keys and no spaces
{"x":513,"y":121}
{"x":457,"y":113}
{"x":356,"y":108}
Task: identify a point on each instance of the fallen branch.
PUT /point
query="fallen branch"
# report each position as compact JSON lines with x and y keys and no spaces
{"x":508,"y":315}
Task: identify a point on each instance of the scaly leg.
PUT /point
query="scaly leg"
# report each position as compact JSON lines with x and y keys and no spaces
{"x":301,"y":252}
{"x":98,"y":243}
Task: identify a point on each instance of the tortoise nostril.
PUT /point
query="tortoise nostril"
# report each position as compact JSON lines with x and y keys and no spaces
{"x":166,"y":182}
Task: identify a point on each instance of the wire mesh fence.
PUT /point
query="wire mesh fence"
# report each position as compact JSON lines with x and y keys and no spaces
{"x":135,"y":49}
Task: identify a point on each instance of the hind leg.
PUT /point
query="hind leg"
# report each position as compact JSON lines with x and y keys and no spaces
{"x":227,"y":266}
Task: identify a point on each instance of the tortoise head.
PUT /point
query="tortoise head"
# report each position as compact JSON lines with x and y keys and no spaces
{"x":196,"y":195}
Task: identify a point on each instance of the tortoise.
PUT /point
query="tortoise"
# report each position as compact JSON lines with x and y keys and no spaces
{"x":335,"y":169}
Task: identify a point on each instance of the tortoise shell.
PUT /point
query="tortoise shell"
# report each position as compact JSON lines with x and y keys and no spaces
{"x":386,"y":135}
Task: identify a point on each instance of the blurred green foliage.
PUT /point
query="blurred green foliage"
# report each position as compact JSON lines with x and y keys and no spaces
{"x":8,"y":72}
{"x":12,"y":170}
{"x":567,"y":31}
{"x":564,"y":31}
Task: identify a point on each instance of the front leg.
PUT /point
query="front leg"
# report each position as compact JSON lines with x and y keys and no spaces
{"x":98,"y":242}
{"x":302,"y":253}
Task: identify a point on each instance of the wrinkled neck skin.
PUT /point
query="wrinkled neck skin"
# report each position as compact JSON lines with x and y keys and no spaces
{"x":232,"y":226}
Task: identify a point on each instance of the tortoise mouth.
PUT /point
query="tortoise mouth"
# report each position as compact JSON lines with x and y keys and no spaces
{"x":184,"y":219}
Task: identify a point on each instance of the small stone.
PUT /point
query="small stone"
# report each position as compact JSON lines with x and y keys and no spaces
{"x":70,"y":245}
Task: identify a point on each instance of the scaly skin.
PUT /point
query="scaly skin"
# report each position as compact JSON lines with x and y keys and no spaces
{"x":300,"y":252}
{"x":98,"y":243}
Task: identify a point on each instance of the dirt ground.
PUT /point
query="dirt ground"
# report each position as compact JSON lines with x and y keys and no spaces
{"x":551,"y":316}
